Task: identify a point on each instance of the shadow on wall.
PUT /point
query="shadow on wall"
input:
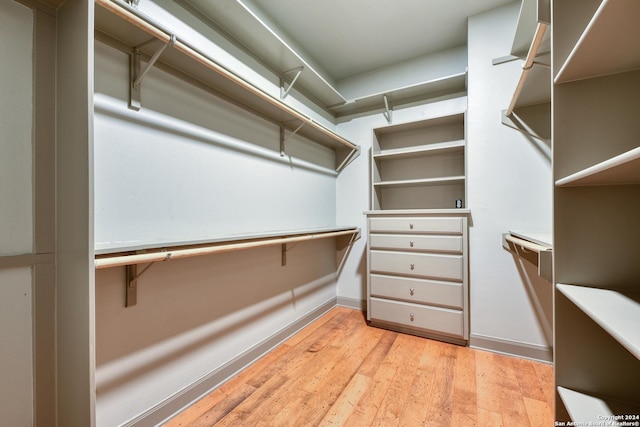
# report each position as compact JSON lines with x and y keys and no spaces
{"x":540,"y":292}
{"x":189,"y":304}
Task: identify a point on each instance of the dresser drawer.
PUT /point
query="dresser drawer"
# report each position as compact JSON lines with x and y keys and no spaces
{"x":416,"y":242}
{"x":440,"y":320}
{"x":441,"y":266}
{"x":416,"y":225}
{"x":449,"y":294}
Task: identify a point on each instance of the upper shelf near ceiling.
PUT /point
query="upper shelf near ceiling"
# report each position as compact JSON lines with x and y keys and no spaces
{"x":255,"y":33}
{"x":120,"y":22}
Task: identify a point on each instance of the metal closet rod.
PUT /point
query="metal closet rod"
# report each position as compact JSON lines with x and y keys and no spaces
{"x":121,"y":260}
{"x":528,"y":63}
{"x":153,"y":28}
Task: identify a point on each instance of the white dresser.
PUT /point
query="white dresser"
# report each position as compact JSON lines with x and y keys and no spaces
{"x":418,"y":272}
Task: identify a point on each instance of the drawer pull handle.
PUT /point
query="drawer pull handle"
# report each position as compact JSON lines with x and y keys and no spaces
{"x":410,"y":244}
{"x":411,"y":226}
{"x":412,"y":266}
{"x":411,"y":291}
{"x":411,"y":317}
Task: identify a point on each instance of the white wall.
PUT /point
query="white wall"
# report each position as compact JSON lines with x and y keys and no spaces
{"x":189,"y":166}
{"x":16,"y":213}
{"x":509,"y":187}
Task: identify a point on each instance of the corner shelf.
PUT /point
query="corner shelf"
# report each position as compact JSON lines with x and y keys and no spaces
{"x":593,"y":55}
{"x":587,"y":408}
{"x":125,"y":26}
{"x":618,"y":170}
{"x":449,"y":85}
{"x":615,"y":312}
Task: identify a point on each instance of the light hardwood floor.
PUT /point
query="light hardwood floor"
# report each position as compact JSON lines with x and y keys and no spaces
{"x":339,"y":371}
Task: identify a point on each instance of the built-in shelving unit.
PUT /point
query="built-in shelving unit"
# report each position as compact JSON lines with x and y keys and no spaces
{"x":121,"y":25}
{"x":614,"y":311}
{"x":419,"y":165}
{"x":596,"y":154}
{"x":417,"y":246}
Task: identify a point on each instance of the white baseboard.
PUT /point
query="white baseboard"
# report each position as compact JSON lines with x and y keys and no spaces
{"x":358,"y":304}
{"x":539,"y":353}
{"x":185,"y":397}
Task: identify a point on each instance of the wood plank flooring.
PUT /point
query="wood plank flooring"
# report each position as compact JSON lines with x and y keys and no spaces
{"x":339,"y":371}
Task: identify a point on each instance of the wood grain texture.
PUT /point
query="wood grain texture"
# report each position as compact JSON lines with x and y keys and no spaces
{"x":341,"y":372}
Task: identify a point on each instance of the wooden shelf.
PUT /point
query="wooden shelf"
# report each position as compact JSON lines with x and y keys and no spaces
{"x":587,"y":409}
{"x":621,"y":169}
{"x":428,"y":149}
{"x":422,"y":182}
{"x":608,"y":44}
{"x":615,"y":312}
{"x":123,"y":24}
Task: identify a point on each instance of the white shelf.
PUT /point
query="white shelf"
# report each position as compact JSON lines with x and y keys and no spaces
{"x":428,"y":149}
{"x":608,"y":45}
{"x":616,"y":313}
{"x":260,"y":36}
{"x":449,"y":85}
{"x":621,"y":169}
{"x":587,"y":409}
{"x":118,"y":23}
{"x":422,"y":182}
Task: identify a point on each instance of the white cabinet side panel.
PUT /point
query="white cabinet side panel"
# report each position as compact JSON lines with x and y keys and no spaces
{"x":16,"y":393}
{"x":16,"y":93}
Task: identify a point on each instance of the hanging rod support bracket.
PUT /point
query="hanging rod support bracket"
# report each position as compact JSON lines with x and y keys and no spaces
{"x":131,"y":281}
{"x":284,"y":138}
{"x":387,"y":111}
{"x":137,"y":76}
{"x":284,"y":91}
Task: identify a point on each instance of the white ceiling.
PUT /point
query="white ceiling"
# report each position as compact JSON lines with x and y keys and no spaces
{"x":351,"y":37}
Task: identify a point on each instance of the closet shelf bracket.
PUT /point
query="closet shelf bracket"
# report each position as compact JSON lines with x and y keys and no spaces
{"x":387,"y":111}
{"x":131,"y":280}
{"x":284,"y":138}
{"x":537,"y":254}
{"x":284,"y":91}
{"x":137,"y":75}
